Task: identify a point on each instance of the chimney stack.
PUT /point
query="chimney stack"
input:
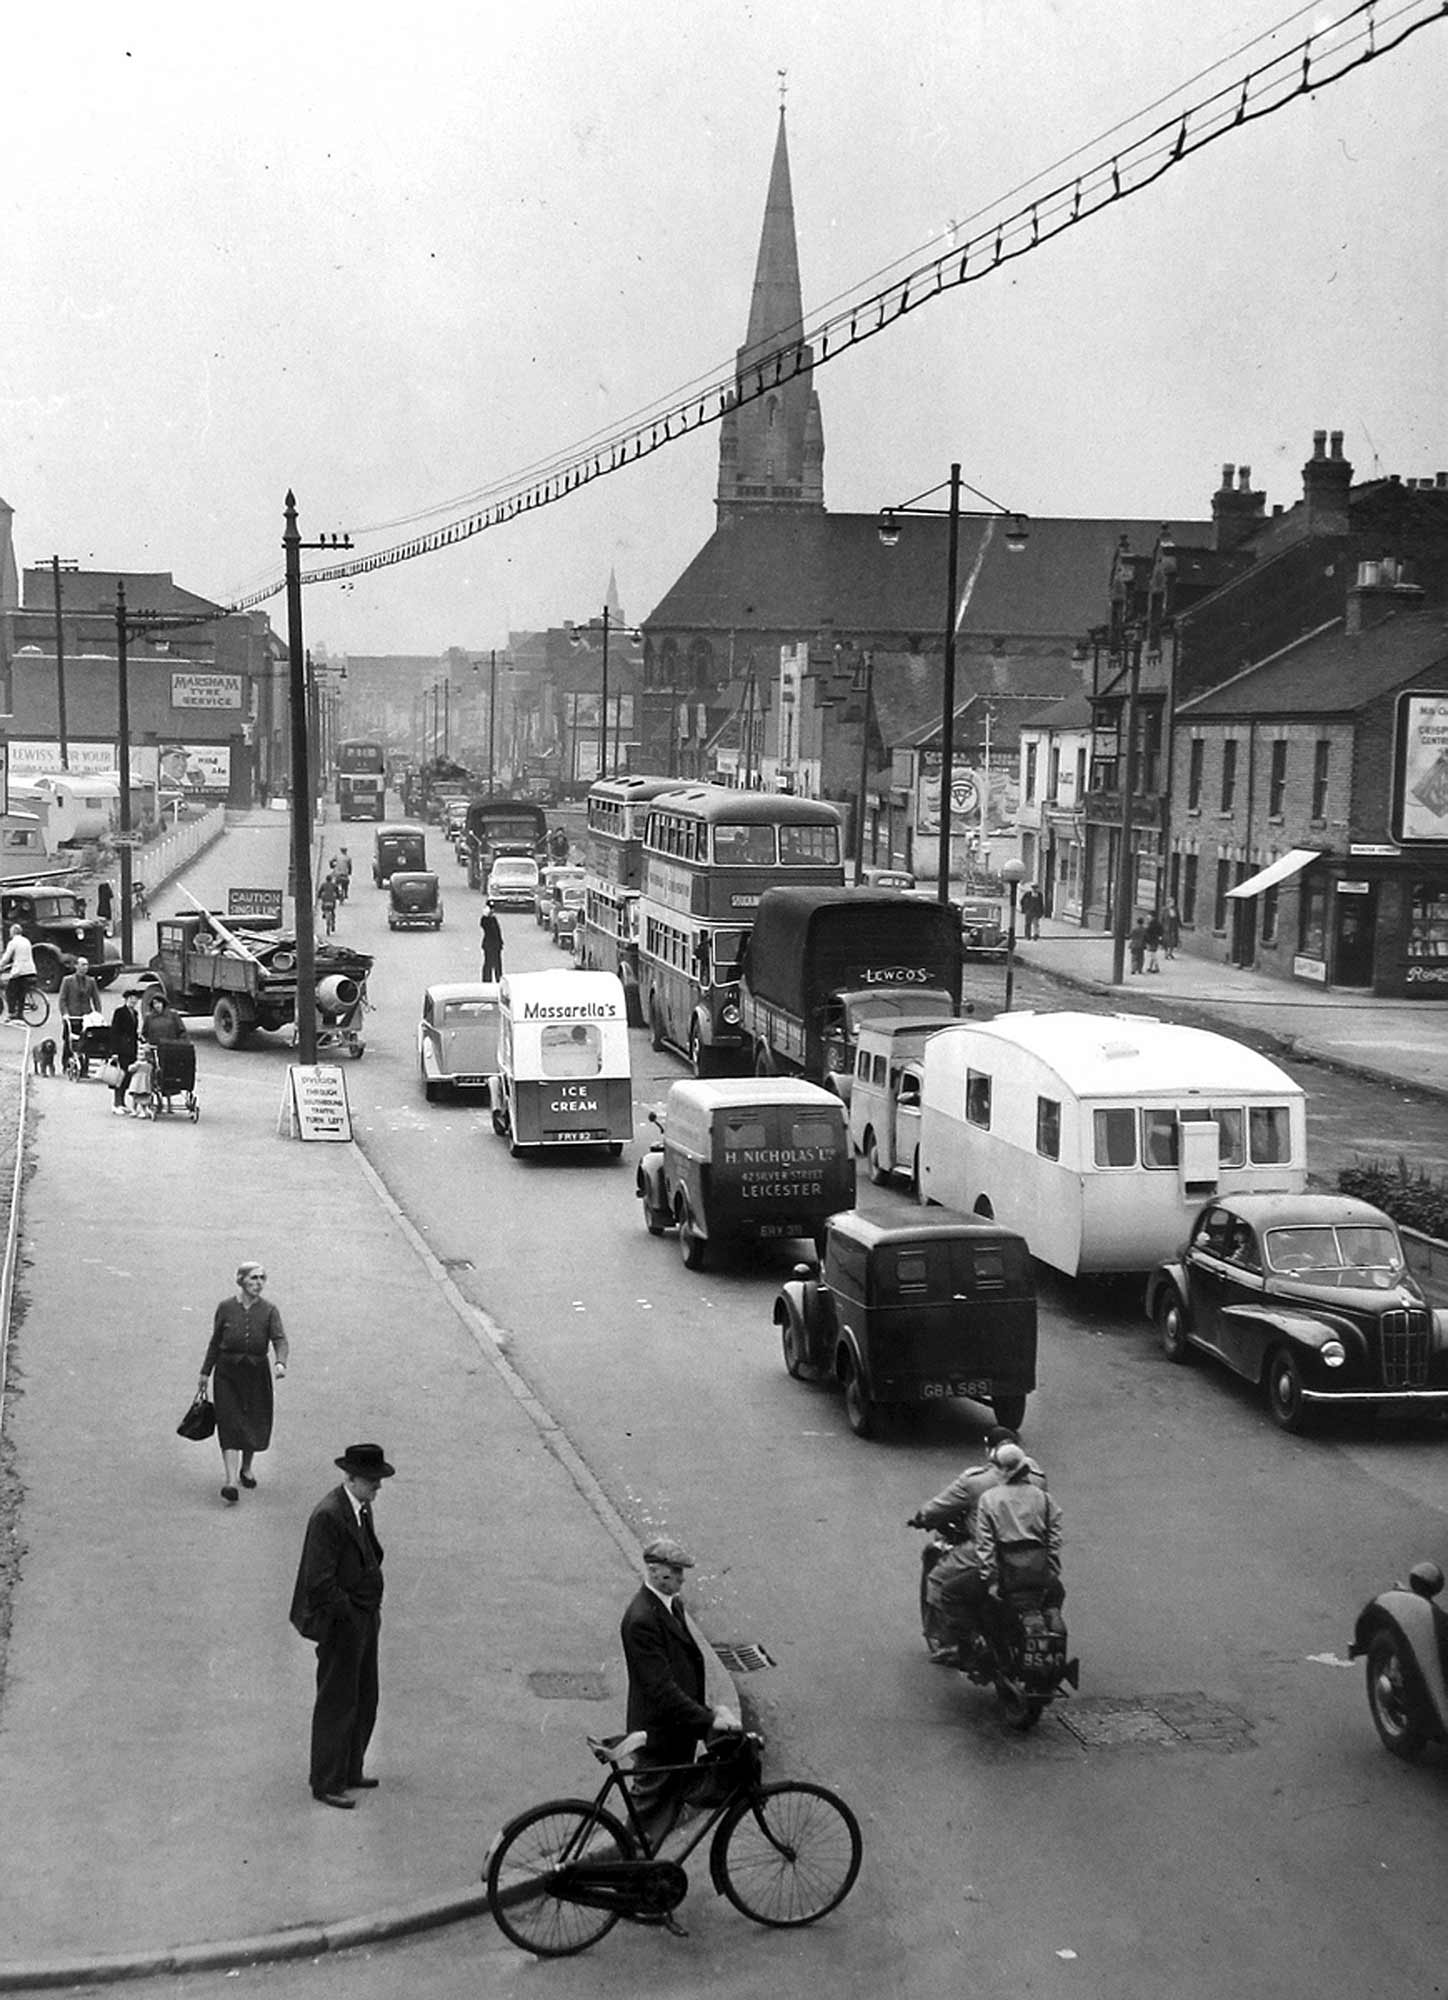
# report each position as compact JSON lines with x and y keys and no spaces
{"x":1236,"y":510}
{"x":1326,"y":484}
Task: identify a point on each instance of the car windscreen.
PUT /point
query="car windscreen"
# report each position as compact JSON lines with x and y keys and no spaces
{"x":1315,"y":1248}
{"x":464,"y":1013}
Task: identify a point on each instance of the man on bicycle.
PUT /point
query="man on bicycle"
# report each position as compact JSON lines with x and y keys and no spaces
{"x":666,"y":1687}
{"x":342,"y":867}
{"x":328,"y":897}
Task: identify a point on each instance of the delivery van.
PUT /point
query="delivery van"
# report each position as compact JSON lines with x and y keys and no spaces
{"x":746,"y":1160}
{"x":563,"y":1062}
{"x":1099,"y":1136}
{"x":886,"y":1094}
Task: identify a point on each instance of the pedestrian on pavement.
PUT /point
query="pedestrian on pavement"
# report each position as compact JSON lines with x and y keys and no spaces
{"x":1153,"y":942}
{"x":343,"y":868}
{"x":162,"y":1023}
{"x":492,"y":932}
{"x":245,"y":1332}
{"x":666,"y":1683}
{"x":337,"y":1604}
{"x":1171,"y":929}
{"x":80,"y":1007}
{"x":105,"y":901}
{"x":17,"y":971}
{"x":1136,"y":944}
{"x":1032,"y":905}
{"x":125,"y":1045}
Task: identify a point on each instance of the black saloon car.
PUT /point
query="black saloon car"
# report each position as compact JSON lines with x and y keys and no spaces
{"x":1309,"y":1296}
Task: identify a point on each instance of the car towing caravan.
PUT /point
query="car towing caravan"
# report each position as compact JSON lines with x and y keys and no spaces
{"x":1099,"y":1136}
{"x":563,"y":1062}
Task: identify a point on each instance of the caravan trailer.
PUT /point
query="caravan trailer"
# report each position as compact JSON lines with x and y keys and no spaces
{"x":1099,"y":1136}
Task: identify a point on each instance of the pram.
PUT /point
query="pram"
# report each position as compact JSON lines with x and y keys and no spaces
{"x":87,"y":1044}
{"x":163,"y":1071}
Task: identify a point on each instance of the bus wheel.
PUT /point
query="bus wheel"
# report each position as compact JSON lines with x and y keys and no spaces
{"x":700,"y":1054}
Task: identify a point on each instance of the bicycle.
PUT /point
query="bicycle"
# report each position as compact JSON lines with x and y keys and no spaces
{"x":560,"y":1876}
{"x":34,"y":1009}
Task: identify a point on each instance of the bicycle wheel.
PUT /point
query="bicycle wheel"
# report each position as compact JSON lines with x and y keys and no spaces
{"x":37,"y":1008}
{"x":522,"y":1869}
{"x":788,"y":1855}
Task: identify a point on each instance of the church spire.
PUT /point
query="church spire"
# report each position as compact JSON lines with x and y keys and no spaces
{"x":771,"y":447}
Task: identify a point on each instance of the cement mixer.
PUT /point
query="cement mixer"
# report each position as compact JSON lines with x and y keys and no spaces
{"x":245,"y":978}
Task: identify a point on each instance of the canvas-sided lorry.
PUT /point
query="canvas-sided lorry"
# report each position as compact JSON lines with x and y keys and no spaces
{"x":1100,"y":1136}
{"x":819,"y":962}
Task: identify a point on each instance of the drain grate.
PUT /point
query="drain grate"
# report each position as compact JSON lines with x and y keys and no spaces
{"x":550,"y":1685}
{"x":746,"y":1658}
{"x":1162,"y":1722}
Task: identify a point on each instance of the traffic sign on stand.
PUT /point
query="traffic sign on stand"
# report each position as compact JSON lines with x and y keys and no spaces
{"x":315,"y":1106}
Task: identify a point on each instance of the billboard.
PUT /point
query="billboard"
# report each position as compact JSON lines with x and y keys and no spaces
{"x":198,"y":690}
{"x":1420,"y":769}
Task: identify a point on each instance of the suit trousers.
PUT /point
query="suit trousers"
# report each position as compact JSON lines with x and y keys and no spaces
{"x":346,"y":1705}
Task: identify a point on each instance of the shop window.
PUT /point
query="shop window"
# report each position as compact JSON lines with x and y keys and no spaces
{"x":1219,"y":900}
{"x":1428,"y":922}
{"x":1229,"y":777}
{"x":1268,"y":915}
{"x":1030,"y":772}
{"x":1312,"y":925}
{"x":1277,"y":779}
{"x":1321,"y":760}
{"x":1188,"y":904}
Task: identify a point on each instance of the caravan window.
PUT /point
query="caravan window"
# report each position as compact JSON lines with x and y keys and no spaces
{"x":1048,"y":1128}
{"x":1271,"y":1135}
{"x":1115,"y":1138}
{"x":1159,"y":1139}
{"x":977,"y":1098}
{"x":1229,"y":1123}
{"x":572,"y":1048}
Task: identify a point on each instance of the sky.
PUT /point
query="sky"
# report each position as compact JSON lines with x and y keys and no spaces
{"x":391,"y":258}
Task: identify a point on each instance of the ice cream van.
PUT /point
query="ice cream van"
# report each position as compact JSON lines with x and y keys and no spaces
{"x":563,"y":1062}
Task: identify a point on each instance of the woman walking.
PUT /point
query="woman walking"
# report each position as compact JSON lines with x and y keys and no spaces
{"x":236,"y":1364}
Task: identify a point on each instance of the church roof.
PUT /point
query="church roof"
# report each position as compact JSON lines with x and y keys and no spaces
{"x":777,"y":570}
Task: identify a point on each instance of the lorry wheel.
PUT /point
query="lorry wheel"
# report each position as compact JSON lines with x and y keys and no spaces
{"x":49,"y":970}
{"x":691,"y":1244}
{"x":860,"y":1412}
{"x":232,"y":1023}
{"x":1009,"y":1410}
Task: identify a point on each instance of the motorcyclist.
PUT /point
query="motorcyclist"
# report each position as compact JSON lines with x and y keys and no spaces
{"x":952,"y":1590}
{"x":1017,"y":1536}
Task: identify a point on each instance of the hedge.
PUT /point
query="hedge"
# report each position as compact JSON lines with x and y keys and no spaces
{"x":1415,"y":1200}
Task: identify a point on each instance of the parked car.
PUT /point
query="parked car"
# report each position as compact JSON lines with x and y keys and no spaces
{"x":981,"y":929}
{"x":901,"y":879}
{"x":1309,"y":1296}
{"x":457,"y":1037}
{"x":907,"y":1316}
{"x":513,"y":882}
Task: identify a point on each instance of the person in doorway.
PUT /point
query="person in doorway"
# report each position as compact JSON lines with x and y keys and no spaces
{"x":1153,"y":942}
{"x":245,"y":1332}
{"x":337,"y":1604}
{"x":1171,"y":930}
{"x":17,"y":971}
{"x":492,"y":933}
{"x":1136,"y":944}
{"x":666,"y":1687}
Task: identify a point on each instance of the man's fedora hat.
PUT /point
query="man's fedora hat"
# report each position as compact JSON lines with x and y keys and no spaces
{"x":366,"y":1459}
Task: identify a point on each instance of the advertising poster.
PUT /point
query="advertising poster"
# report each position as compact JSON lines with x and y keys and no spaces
{"x":1420,"y":770}
{"x":198,"y":690}
{"x":201,"y":768}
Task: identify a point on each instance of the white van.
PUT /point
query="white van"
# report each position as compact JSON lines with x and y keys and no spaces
{"x":563,"y":1062}
{"x":1099,"y":1136}
{"x":885,"y":1096}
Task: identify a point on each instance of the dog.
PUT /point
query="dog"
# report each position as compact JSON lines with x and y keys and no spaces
{"x":43,"y":1057}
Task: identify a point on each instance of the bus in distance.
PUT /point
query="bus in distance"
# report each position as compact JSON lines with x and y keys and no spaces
{"x":613,"y":873}
{"x":709,"y":855}
{"x":361,"y":779}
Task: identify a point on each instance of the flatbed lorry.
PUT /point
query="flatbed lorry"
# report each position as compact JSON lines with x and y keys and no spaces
{"x":246,"y":978}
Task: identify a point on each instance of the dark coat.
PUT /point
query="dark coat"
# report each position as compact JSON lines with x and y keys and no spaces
{"x":338,"y":1573}
{"x":665,"y":1677}
{"x":125,"y":1034}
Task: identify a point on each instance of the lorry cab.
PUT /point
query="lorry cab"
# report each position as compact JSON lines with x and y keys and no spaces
{"x":397,"y":848}
{"x":746,"y":1160}
{"x":904,"y":1317}
{"x":563,"y":1062}
{"x":885,"y":1094}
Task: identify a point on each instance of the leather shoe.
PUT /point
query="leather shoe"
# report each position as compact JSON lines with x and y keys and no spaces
{"x":248,"y":1481}
{"x":333,"y":1799}
{"x":230,"y":1495}
{"x":362,"y":1784}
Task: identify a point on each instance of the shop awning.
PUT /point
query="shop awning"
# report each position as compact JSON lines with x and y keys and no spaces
{"x":1276,"y":871}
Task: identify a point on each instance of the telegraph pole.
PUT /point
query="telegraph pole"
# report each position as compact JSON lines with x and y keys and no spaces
{"x":123,"y":759}
{"x":56,"y":566}
{"x":292,"y":546}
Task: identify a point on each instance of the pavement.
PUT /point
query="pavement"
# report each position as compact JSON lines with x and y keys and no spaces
{"x":153,"y":1730}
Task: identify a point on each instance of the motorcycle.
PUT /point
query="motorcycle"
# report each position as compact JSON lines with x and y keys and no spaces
{"x":1403,"y":1635}
{"x":1020,"y":1647}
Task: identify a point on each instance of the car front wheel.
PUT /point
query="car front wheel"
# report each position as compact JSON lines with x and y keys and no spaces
{"x":1171,"y":1326}
{"x":1286,"y":1403}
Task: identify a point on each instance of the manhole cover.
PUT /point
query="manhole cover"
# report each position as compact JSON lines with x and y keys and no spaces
{"x":743,"y":1659}
{"x":1165,"y":1721}
{"x":554,"y":1686}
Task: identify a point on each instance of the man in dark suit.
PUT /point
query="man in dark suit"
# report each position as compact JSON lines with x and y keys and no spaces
{"x":666,"y":1685}
{"x":337,"y":1604}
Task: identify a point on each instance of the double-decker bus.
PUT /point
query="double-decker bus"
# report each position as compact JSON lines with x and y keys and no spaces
{"x":361,"y":779}
{"x":709,"y":855}
{"x":613,"y":874}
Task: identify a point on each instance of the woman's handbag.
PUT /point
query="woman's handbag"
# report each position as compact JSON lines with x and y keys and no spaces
{"x":200,"y":1420}
{"x":111,"y":1073}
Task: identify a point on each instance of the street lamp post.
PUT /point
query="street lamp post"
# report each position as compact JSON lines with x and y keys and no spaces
{"x":1016,"y":535}
{"x":864,"y":767}
{"x":57,"y":564}
{"x":1013,"y":872}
